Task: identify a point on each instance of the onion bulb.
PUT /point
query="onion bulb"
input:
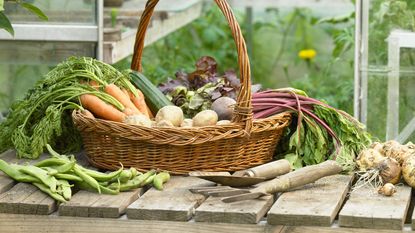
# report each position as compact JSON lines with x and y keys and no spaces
{"x":408,"y":171}
{"x":369,"y":159}
{"x":377,"y":146}
{"x":389,"y":171}
{"x":388,"y":189}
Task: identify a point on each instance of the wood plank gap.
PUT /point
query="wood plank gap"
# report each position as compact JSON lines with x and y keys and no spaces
{"x":315,"y":204}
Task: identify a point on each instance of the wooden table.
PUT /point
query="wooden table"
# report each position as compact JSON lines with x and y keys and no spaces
{"x":324,"y":206}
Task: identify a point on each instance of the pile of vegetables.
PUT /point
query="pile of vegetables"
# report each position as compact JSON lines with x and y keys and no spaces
{"x":383,"y":164}
{"x":44,"y":115}
{"x":196,"y":91}
{"x":58,"y":174}
{"x":320,"y":132}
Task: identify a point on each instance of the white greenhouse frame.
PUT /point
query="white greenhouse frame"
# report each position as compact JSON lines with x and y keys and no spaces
{"x":62,"y":32}
{"x":396,"y":41}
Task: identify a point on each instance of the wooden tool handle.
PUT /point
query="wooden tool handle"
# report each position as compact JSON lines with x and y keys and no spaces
{"x":299,"y":178}
{"x":268,"y":170}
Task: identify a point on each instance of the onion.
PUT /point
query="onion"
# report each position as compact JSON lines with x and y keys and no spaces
{"x":369,"y":159}
{"x":408,"y":171}
{"x":393,"y":149}
{"x":377,"y":146}
{"x":388,"y":189}
{"x":389,"y":171}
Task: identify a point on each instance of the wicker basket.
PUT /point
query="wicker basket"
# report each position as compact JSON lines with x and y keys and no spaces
{"x":241,"y":145}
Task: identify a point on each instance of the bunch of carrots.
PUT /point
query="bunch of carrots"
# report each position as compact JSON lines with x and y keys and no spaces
{"x":43,"y":116}
{"x":132,"y":102}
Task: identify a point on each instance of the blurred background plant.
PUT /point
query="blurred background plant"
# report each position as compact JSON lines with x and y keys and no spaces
{"x":4,"y":20}
{"x":278,"y":39}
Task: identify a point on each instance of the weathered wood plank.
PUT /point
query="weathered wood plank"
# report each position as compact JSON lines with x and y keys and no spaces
{"x":174,"y":203}
{"x":243,"y":212}
{"x":6,"y":183}
{"x":368,"y":209}
{"x":10,"y":200}
{"x":313,"y":205}
{"x":79,"y":204}
{"x":89,"y":204}
{"x":11,"y":223}
{"x":37,"y":203}
{"x":113,"y":206}
{"x":303,"y":229}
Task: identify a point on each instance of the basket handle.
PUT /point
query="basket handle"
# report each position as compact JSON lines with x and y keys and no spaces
{"x":243,"y":108}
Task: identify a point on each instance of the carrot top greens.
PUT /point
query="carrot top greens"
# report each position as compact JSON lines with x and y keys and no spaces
{"x":43,"y":116}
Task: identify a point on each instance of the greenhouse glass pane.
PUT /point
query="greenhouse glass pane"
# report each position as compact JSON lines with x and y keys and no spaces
{"x":82,"y":12}
{"x":388,"y":59}
{"x":23,"y":63}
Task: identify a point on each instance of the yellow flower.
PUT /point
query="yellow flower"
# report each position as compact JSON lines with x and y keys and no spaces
{"x":307,"y":54}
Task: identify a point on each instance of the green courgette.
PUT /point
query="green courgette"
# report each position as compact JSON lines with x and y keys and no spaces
{"x":155,"y":99}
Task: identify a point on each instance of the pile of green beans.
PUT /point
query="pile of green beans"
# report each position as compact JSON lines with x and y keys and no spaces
{"x":58,"y":174}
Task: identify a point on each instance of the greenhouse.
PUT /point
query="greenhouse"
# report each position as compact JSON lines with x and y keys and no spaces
{"x":207,"y":116}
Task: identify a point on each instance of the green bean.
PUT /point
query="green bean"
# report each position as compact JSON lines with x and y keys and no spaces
{"x":149,"y":180}
{"x":87,"y":178}
{"x":50,"y":162}
{"x":100,"y":176}
{"x":42,"y":175}
{"x":65,"y":167}
{"x":160,"y":179}
{"x":104,"y":190}
{"x":51,"y":171}
{"x":46,"y":189}
{"x":134,"y":172}
{"x":125,"y":176}
{"x":12,"y":171}
{"x":66,"y":189}
{"x":65,"y":176}
{"x":56,"y":154}
{"x":136,"y":182}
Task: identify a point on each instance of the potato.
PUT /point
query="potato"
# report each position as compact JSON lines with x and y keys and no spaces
{"x":172,"y":114}
{"x":223,"y":122}
{"x":187,"y":123}
{"x":164,"y":123}
{"x":138,"y":120}
{"x":223,"y":106}
{"x":205,"y":118}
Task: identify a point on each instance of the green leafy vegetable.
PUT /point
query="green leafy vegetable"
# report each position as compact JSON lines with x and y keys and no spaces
{"x":321,"y":132}
{"x":43,"y":116}
{"x":195,"y":91}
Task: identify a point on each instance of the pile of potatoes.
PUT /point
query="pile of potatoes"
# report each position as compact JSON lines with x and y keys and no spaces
{"x":172,"y":116}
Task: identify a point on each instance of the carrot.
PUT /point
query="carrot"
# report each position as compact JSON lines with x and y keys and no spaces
{"x":94,"y":84}
{"x":118,"y":94}
{"x":139,"y":102}
{"x":129,"y":112}
{"x":101,"y":109}
{"x":150,"y":114}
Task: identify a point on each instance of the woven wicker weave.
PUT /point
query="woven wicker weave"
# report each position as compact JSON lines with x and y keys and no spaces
{"x":241,"y":145}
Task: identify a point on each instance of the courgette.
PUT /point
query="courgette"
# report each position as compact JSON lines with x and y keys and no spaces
{"x":155,"y":99}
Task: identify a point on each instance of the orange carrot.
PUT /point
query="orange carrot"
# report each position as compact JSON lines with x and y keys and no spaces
{"x":118,"y":94}
{"x":94,"y":84}
{"x":129,"y":112}
{"x":101,"y":109}
{"x":139,"y":102}
{"x":150,"y":114}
